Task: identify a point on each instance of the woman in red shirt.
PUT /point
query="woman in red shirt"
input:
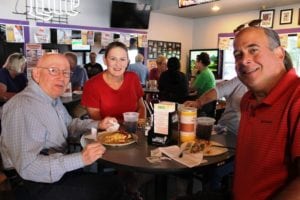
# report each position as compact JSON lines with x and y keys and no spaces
{"x":114,"y":91}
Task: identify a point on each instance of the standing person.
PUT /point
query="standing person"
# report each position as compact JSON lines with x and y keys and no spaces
{"x":35,"y":126}
{"x":268,"y":146}
{"x":12,"y":77}
{"x":79,"y":76}
{"x":161,"y":63}
{"x":203,"y":82}
{"x":139,"y":68}
{"x":93,"y":68}
{"x":114,"y":91}
{"x":173,"y":84}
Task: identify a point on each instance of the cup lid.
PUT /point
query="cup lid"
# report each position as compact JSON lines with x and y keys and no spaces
{"x":206,"y":120}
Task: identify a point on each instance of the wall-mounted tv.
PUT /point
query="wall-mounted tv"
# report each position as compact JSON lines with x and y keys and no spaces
{"x":129,"y":15}
{"x":214,"y":60}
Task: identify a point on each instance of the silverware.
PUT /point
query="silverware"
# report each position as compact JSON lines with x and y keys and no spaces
{"x":180,"y":154}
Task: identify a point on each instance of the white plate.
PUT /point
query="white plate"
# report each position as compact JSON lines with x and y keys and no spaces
{"x":86,"y":139}
{"x":100,"y":139}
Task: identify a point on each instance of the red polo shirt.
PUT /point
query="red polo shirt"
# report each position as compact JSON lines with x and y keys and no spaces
{"x":261,"y":163}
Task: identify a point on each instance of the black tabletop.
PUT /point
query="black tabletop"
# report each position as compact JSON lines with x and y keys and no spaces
{"x":133,"y":157}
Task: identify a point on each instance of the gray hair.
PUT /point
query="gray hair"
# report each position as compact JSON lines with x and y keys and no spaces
{"x":15,"y":62}
{"x":273,"y":37}
{"x":274,"y":42}
{"x":139,"y":58}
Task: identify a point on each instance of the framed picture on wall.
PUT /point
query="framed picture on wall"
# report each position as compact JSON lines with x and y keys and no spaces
{"x":267,"y":17}
{"x":299,"y":17}
{"x":286,"y":16}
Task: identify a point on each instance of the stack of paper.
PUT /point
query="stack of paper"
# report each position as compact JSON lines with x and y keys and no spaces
{"x":189,"y":159}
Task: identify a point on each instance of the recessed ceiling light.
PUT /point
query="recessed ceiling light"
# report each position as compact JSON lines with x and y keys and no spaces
{"x":215,"y":8}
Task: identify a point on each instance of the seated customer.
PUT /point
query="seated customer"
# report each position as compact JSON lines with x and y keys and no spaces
{"x":12,"y":77}
{"x":173,"y":84}
{"x":35,"y":127}
{"x":203,"y":82}
{"x":79,"y":76}
{"x":116,"y":90}
{"x":161,"y":63}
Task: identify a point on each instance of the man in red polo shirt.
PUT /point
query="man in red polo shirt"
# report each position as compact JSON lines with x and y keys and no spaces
{"x":268,"y":147}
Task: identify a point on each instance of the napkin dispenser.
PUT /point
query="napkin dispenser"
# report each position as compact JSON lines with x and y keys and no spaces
{"x":165,"y":124}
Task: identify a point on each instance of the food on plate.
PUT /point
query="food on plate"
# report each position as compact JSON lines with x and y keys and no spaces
{"x":197,"y":146}
{"x":209,"y":148}
{"x":118,"y":137}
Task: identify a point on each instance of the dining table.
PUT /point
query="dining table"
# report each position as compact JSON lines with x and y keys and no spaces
{"x":132,"y":157}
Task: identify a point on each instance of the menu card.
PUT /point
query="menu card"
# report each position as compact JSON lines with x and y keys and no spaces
{"x":161,"y":116}
{"x":188,"y":159}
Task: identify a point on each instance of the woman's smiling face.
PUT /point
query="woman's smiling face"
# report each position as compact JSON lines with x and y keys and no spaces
{"x":116,"y":61}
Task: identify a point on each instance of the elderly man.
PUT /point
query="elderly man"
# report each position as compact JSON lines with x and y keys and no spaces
{"x":35,"y":126}
{"x":268,"y":148}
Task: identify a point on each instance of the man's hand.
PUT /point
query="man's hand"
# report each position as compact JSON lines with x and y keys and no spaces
{"x":92,"y":152}
{"x":107,"y":122}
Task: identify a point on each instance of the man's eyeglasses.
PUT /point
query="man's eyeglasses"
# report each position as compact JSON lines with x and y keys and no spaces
{"x":255,"y":22}
{"x":55,"y":71}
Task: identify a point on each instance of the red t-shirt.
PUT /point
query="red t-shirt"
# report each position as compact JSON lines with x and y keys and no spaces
{"x":98,"y":94}
{"x":261,"y":157}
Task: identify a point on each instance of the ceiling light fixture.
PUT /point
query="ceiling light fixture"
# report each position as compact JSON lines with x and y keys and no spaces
{"x":46,"y":9}
{"x":185,"y":3}
{"x":215,"y":8}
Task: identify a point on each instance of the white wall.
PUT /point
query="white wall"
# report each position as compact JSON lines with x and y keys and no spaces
{"x":206,"y":30}
{"x":191,"y":33}
{"x":173,"y":29}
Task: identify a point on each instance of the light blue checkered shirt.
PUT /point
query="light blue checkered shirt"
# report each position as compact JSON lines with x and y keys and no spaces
{"x":32,"y":122}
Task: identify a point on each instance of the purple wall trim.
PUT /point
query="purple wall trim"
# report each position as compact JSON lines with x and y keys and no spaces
{"x":11,"y":21}
{"x":117,"y":30}
{"x":280,"y":31}
{"x":26,"y":34}
{"x":289,"y":30}
{"x":225,"y":35}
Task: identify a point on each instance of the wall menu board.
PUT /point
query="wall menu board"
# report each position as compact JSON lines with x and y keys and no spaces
{"x":168,"y":49}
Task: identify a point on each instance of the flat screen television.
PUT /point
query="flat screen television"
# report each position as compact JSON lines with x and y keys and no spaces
{"x":129,"y":15}
{"x":78,"y":46}
{"x":214,"y":60}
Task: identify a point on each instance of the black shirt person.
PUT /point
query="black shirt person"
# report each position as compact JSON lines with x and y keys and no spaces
{"x":93,"y":68}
